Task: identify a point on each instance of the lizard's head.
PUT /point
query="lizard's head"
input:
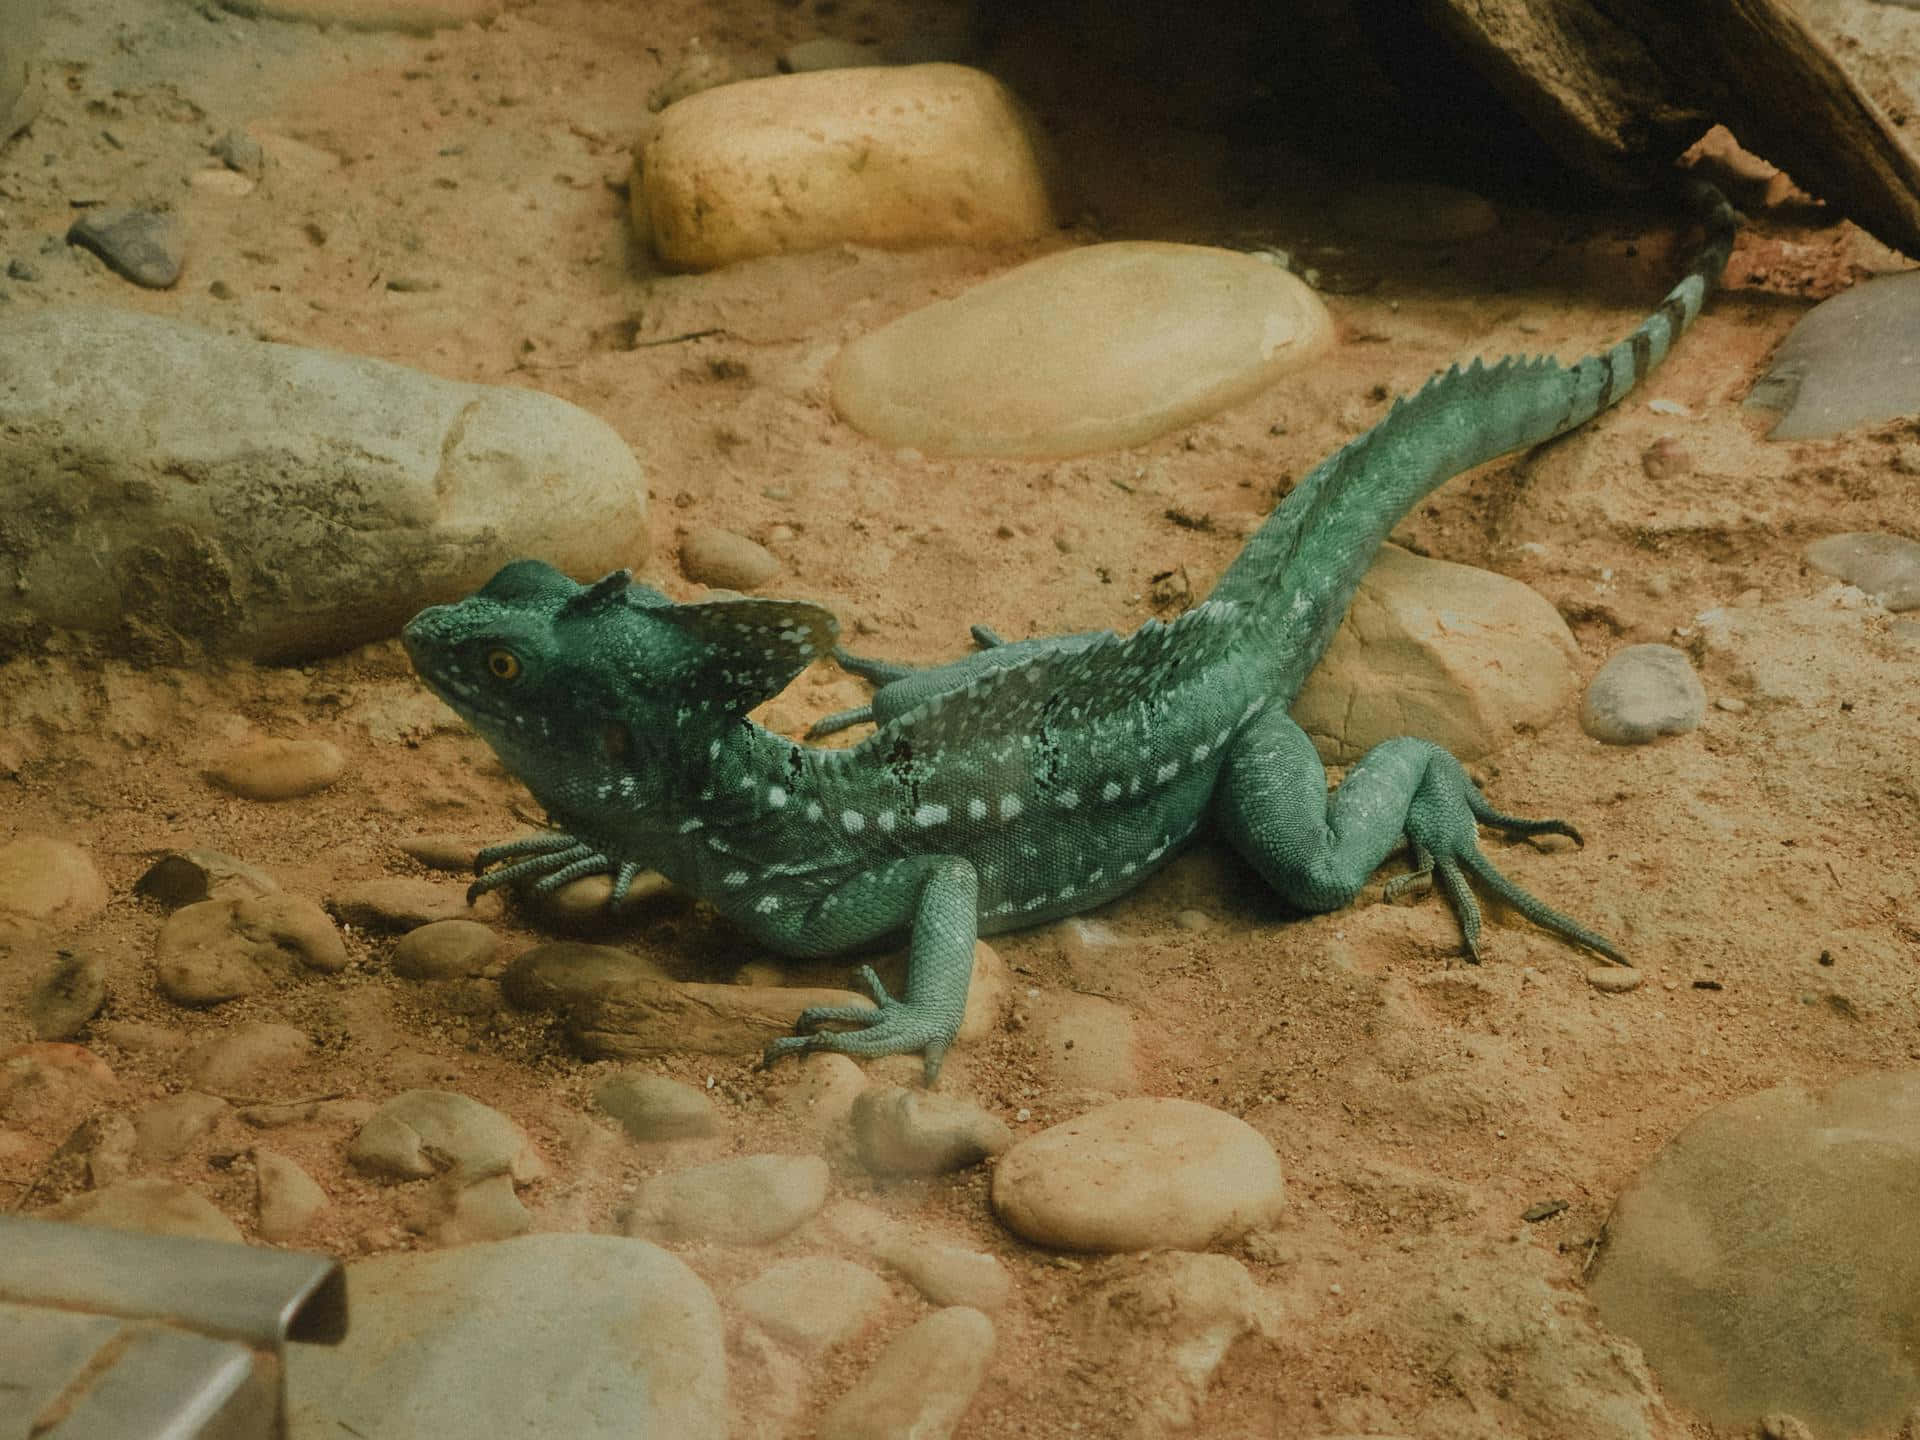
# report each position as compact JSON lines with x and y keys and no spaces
{"x":573,"y":685}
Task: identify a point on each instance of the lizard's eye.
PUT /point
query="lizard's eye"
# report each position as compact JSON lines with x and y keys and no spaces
{"x":503,"y":665}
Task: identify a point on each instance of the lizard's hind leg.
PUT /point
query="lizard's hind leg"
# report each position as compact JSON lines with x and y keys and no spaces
{"x":1317,"y":851}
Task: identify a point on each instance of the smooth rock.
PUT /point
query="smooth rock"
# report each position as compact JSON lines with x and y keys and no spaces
{"x":167,"y":1129}
{"x":157,"y":1207}
{"x":187,"y":877}
{"x":67,"y":994}
{"x":1419,"y":213}
{"x":644,"y":1017}
{"x":1455,"y":655}
{"x":445,"y":950}
{"x":408,"y":17}
{"x":259,"y":1055}
{"x":819,"y":1090}
{"x":945,"y":1274}
{"x":1887,"y":567}
{"x":720,"y":557}
{"x":1768,"y":1257}
{"x":52,"y":1087}
{"x":288,"y":1199}
{"x":1615,"y":979}
{"x":422,"y":1132}
{"x":1642,"y":693}
{"x":442,"y":852}
{"x":898,"y":1131}
{"x":750,"y":1201}
{"x":922,"y":1383}
{"x":463,"y":1211}
{"x":1098,"y":348}
{"x":1851,"y":361}
{"x":895,"y":157}
{"x":1139,"y":1174}
{"x":1084,"y":1041}
{"x":273,"y":768}
{"x":653,"y":1107}
{"x":173,"y":486}
{"x":591,"y":1337}
{"x":562,"y":973}
{"x":813,"y":1303}
{"x":143,"y":246}
{"x":46,"y":885}
{"x":241,"y":153}
{"x":1165,"y":1325}
{"x":405,"y":902}
{"x":219,"y":950}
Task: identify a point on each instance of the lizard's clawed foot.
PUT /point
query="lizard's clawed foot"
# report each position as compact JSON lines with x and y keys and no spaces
{"x":891,"y":1027}
{"x":1441,"y":825}
{"x":548,"y":861}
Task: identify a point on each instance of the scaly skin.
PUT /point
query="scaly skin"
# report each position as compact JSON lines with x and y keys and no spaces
{"x":1024,"y":782}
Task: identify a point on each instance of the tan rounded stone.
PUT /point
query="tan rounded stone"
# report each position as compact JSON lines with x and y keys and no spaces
{"x":46,"y":884}
{"x":753,"y":1200}
{"x":896,"y":157}
{"x":814,"y":1302}
{"x":158,"y":1207}
{"x":1137,"y":1175}
{"x":720,"y":557}
{"x":279,"y":769}
{"x":1455,"y":655}
{"x":221,"y":949}
{"x":1092,"y":349}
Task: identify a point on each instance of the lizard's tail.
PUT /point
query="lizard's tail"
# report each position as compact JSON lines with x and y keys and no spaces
{"x":1300,"y":569}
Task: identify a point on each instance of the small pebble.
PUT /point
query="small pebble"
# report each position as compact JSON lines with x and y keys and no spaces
{"x":442,"y":852}
{"x":1665,"y":459}
{"x":1731,"y":704}
{"x":25,"y":271}
{"x":1195,"y":921}
{"x":67,"y":995}
{"x":276,"y":769}
{"x":220,"y":182}
{"x":1641,"y":693}
{"x":653,"y":1107}
{"x":1615,"y":979}
{"x":142,"y":245}
{"x":1887,"y":567}
{"x":240,"y":151}
{"x":722,"y":558}
{"x":445,"y":950}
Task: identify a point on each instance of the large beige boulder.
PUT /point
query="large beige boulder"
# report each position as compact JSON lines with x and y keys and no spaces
{"x":1451,"y":654}
{"x":896,"y":157}
{"x":1097,"y":348}
{"x":166,"y":484}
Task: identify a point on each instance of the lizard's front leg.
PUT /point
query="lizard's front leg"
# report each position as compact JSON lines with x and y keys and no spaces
{"x":938,"y":894}
{"x":1272,"y":803}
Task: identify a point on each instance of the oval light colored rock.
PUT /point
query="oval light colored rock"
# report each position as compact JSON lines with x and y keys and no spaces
{"x":1887,"y":567}
{"x":195,"y":480}
{"x":1140,"y":1174}
{"x":1091,"y":349}
{"x":922,"y":1383}
{"x":221,"y":949}
{"x":646,"y":1016}
{"x":67,"y":994}
{"x":899,"y":1131}
{"x":750,"y":1201}
{"x":720,"y":557}
{"x":445,"y":950}
{"x":288,"y":1198}
{"x":654,"y":1107}
{"x":896,"y":157}
{"x":422,"y":1132}
{"x":247,"y":1055}
{"x":559,"y":974}
{"x":1455,"y":655}
{"x":158,"y":1207}
{"x":46,"y":884}
{"x":814,"y":1302}
{"x":167,"y":1129}
{"x":1642,"y":693}
{"x":273,"y":768}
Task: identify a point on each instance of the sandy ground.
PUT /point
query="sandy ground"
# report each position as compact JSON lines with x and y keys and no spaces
{"x":1772,"y":852}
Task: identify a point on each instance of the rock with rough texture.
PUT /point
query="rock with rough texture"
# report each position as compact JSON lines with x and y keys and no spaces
{"x":221,"y":949}
{"x":588,"y":1336}
{"x":1140,"y":1174}
{"x":157,"y":1207}
{"x":187,"y":877}
{"x":562,"y":973}
{"x":645,"y":1016}
{"x":288,"y":1198}
{"x":409,"y":17}
{"x":1166,"y":1324}
{"x":719,"y":557}
{"x":1767,"y":1259}
{"x":1887,"y":567}
{"x":1642,"y":693}
{"x":172,"y":485}
{"x":445,"y":950}
{"x":813,"y":1303}
{"x":898,"y":1131}
{"x":51,"y":1086}
{"x":653,"y":1107}
{"x":167,"y":1129}
{"x":1850,"y":361}
{"x":896,"y":157}
{"x":144,"y":246}
{"x":423,"y":1132}
{"x":405,"y":902}
{"x":465,"y":1211}
{"x":922,"y":1383}
{"x":46,"y":885}
{"x":1458,"y":656}
{"x":248,"y":1059}
{"x":273,"y":768}
{"x":750,"y":1201}
{"x":67,"y":994}
{"x":1097,"y":348}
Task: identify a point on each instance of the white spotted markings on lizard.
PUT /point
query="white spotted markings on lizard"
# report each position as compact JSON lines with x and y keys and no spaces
{"x":1026,"y":781}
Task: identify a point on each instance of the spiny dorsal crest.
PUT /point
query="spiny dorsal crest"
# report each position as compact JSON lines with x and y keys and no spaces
{"x":736,"y":653}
